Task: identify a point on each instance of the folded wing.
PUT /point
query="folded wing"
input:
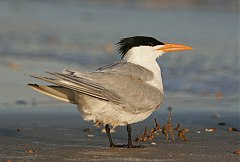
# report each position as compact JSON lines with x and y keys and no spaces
{"x":121,"y":83}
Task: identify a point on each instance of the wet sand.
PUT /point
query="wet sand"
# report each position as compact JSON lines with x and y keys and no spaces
{"x":58,"y":135}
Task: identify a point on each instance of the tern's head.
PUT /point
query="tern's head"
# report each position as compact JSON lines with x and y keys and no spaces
{"x":146,"y":47}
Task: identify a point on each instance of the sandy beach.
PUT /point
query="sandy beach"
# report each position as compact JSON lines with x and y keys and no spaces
{"x":59,"y":136}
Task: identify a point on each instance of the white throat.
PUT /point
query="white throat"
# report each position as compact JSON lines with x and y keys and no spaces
{"x":146,"y":57}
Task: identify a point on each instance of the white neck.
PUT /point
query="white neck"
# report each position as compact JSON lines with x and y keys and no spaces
{"x":145,"y":57}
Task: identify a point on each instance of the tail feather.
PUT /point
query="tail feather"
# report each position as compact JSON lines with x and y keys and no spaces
{"x":57,"y":92}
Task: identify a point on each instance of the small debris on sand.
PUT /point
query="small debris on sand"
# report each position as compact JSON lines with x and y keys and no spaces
{"x":237,"y":152}
{"x":90,"y":135}
{"x":181,"y":132}
{"x":177,"y":127}
{"x":168,"y":127}
{"x":232,"y":129}
{"x":181,"y":135}
{"x":88,"y":130}
{"x":222,"y":123}
{"x":143,"y":137}
{"x":166,"y":130}
{"x":157,"y":125}
{"x":30,"y":151}
{"x":210,"y":129}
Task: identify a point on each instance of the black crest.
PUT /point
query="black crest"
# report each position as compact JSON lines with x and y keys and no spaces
{"x":130,"y":42}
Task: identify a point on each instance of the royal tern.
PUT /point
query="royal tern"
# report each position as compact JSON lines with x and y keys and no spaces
{"x":118,"y":94}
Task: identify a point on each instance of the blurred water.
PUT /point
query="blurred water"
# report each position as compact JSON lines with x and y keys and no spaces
{"x":82,"y":35}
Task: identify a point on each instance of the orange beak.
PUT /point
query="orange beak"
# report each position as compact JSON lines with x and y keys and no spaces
{"x":174,"y":47}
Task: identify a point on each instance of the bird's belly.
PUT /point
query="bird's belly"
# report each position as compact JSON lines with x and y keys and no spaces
{"x":103,"y":112}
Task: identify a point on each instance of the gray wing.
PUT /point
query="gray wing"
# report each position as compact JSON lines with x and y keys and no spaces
{"x":128,"y":81}
{"x":121,"y":83}
{"x":127,"y":68}
{"x":135,"y":95}
{"x":80,"y":85}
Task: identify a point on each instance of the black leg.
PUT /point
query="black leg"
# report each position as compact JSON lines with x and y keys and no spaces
{"x":129,"y":130}
{"x":130,"y":145}
{"x":110,"y":138}
{"x":109,"y":135}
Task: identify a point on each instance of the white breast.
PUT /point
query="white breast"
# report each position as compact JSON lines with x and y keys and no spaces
{"x":103,"y":112}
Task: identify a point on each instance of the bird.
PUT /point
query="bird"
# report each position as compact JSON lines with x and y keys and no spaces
{"x":118,"y":94}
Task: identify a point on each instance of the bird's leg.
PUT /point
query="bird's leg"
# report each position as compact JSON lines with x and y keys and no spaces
{"x":130,"y":145}
{"x":109,"y":135}
{"x":110,"y":138}
{"x":129,"y":130}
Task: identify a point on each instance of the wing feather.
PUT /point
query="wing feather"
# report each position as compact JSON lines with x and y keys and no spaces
{"x":71,"y":86}
{"x":121,"y":83}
